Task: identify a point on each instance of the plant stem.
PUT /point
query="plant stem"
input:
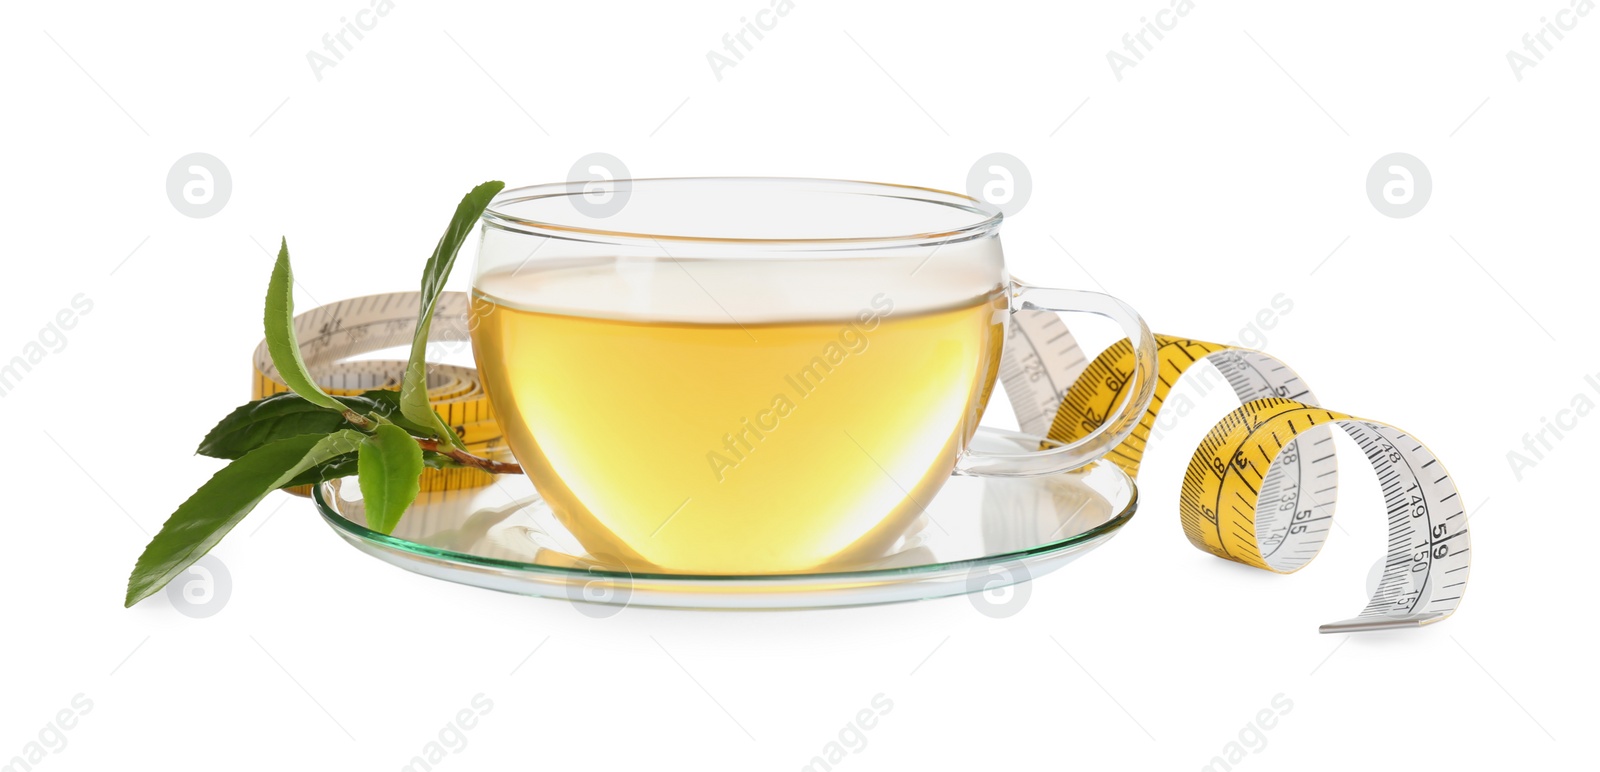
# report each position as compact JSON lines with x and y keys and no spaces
{"x":467,"y":459}
{"x":360,"y":421}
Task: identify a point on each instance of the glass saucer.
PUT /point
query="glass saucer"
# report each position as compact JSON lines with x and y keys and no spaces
{"x":977,"y":534}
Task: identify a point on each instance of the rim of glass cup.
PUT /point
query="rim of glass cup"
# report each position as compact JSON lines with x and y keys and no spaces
{"x":986,"y":217}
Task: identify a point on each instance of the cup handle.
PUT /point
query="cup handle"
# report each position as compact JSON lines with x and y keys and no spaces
{"x":1056,"y":457}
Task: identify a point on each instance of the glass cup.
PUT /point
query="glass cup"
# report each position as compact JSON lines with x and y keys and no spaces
{"x":755,"y":375}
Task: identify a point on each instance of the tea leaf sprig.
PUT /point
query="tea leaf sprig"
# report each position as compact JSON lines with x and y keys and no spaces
{"x":307,"y":436}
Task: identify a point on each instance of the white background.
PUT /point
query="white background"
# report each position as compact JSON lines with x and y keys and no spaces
{"x":1223,"y":169}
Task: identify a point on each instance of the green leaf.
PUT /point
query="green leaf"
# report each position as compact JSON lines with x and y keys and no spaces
{"x":280,"y":416}
{"x":348,"y":465}
{"x":414,"y":387}
{"x":202,"y":520}
{"x":386,"y":403}
{"x":270,"y":419}
{"x":281,"y":343}
{"x":390,"y":463}
{"x":332,"y":469}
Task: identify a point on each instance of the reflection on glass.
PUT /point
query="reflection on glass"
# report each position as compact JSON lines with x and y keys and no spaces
{"x":972,"y":518}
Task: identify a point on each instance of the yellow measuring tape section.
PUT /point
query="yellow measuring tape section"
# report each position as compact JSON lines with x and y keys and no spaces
{"x":333,"y":337}
{"x":1260,"y":489}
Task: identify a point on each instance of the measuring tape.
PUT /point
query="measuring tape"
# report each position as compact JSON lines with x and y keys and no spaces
{"x":334,"y":337}
{"x":1261,"y":487}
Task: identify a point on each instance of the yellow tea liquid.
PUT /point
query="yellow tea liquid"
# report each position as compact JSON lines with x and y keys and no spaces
{"x":724,"y":446}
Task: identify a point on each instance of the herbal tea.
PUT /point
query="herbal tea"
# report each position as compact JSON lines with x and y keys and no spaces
{"x":671,"y":434}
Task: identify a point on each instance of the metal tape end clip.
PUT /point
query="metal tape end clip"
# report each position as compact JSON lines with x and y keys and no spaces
{"x":1367,"y":624}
